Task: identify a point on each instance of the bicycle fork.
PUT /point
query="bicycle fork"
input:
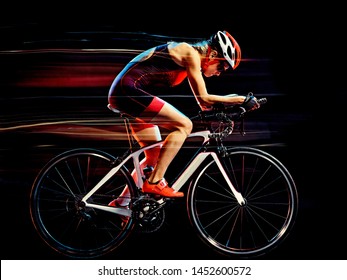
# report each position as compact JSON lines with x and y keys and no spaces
{"x":193,"y":166}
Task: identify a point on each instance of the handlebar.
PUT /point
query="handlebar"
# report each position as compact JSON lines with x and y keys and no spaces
{"x":222,"y":110}
{"x":226,"y":115}
{"x":262,"y":101}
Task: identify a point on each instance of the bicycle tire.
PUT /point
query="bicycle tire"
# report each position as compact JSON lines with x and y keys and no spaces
{"x":266,"y":218}
{"x":66,"y":226}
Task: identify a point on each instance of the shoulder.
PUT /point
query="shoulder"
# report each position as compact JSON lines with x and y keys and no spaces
{"x":183,"y":53}
{"x":181,"y":48}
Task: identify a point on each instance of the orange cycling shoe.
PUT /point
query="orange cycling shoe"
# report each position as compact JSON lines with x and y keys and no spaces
{"x":161,"y":188}
{"x":119,"y":202}
{"x":115,"y":203}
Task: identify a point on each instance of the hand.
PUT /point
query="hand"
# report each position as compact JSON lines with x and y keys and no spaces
{"x":251,"y":102}
{"x":206,"y":108}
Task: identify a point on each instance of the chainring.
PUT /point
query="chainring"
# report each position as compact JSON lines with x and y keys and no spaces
{"x":148,"y":213}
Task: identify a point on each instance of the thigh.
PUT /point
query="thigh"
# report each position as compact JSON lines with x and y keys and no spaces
{"x":171,"y":118}
{"x":145,"y":133}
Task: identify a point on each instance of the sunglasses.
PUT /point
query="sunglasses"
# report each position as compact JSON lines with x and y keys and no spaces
{"x":223,"y":65}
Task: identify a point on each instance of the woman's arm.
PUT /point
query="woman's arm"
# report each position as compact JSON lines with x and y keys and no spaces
{"x":197,"y":83}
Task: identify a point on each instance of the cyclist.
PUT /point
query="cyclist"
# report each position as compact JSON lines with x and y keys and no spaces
{"x":135,"y":91}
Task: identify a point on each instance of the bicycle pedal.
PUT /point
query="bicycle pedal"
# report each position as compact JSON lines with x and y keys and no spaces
{"x":157,"y":196}
{"x":154,"y":196}
{"x":160,"y":199}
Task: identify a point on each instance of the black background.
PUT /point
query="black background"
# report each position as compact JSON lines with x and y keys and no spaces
{"x":307,"y":57}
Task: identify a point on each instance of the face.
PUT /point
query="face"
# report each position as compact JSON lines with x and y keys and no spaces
{"x":215,"y":67}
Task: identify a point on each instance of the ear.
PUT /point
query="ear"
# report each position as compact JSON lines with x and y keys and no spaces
{"x":213,"y":54}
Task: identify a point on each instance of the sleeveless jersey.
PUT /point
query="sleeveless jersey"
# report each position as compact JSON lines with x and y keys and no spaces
{"x":138,"y":83}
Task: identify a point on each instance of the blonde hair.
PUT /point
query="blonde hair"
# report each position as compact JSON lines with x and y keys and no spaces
{"x":203,"y":45}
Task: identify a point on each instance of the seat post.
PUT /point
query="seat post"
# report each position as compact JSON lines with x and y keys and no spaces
{"x":126,"y":124}
{"x":127,"y":128}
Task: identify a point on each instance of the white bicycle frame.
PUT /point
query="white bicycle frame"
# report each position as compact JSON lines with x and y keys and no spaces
{"x":177,"y":185}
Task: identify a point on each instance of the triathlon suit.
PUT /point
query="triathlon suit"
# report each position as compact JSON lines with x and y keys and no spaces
{"x":134,"y":91}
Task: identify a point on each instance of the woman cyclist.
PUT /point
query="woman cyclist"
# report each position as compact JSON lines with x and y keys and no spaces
{"x":158,"y":69}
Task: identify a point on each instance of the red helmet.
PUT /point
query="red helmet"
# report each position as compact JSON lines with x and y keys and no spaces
{"x":229,"y":47}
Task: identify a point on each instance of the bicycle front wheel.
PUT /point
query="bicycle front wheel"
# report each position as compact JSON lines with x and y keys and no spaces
{"x":266,"y":218}
{"x":60,"y":218}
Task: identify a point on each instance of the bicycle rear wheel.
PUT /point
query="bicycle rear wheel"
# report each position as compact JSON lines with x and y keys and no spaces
{"x":267,"y":216}
{"x":58,"y":214}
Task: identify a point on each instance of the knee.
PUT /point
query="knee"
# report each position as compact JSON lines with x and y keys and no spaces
{"x":187,"y":126}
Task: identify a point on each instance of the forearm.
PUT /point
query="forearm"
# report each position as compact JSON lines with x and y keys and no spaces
{"x":210,"y":99}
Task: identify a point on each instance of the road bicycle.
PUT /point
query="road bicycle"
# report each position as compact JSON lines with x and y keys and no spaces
{"x":241,"y":201}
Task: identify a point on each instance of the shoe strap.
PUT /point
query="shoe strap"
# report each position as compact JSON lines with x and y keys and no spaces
{"x":161,"y":184}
